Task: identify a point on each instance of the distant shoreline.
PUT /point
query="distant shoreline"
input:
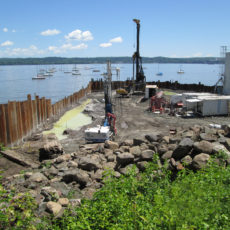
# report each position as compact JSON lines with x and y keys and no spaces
{"x":102,"y":60}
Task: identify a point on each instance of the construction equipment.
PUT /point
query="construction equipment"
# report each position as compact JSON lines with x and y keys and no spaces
{"x":140,"y":80}
{"x":158,"y":103}
{"x":107,"y":130}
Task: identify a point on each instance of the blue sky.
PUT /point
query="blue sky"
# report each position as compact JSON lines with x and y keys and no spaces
{"x":93,"y":28}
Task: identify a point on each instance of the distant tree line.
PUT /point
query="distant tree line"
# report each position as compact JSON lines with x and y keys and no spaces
{"x":102,"y":60}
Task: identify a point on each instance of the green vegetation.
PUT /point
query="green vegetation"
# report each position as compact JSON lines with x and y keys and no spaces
{"x":102,"y":60}
{"x":169,"y":93}
{"x":16,"y":210}
{"x":2,"y":147}
{"x":152,"y":200}
{"x":192,"y":201}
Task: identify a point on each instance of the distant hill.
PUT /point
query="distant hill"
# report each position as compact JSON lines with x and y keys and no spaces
{"x":102,"y":60}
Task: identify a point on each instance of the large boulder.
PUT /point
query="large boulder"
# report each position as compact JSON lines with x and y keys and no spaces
{"x":124,"y":159}
{"x":153,"y":137}
{"x":53,"y":207}
{"x":138,"y":141}
{"x":162,"y":149}
{"x":88,"y":164}
{"x":218,"y":148}
{"x":147,"y":155}
{"x":208,"y":137}
{"x":183,"y":148}
{"x":37,"y":177}
{"x":64,"y":202}
{"x":80,"y":176}
{"x":127,"y":169}
{"x":50,"y":194}
{"x":187,"y":160}
{"x":62,"y":158}
{"x":50,"y":150}
{"x":167,"y":155}
{"x":135,"y":150}
{"x":200,"y":160}
{"x":111,"y":145}
{"x":142,"y":165}
{"x":203,"y":147}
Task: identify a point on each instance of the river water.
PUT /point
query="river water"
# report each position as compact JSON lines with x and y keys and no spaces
{"x":16,"y":81}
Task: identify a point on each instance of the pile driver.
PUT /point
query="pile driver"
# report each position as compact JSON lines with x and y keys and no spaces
{"x":140,"y":81}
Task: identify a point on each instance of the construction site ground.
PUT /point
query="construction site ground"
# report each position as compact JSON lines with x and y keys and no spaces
{"x":134,"y":120}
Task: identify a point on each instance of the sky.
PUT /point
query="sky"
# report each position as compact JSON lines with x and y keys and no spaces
{"x":99,"y":28}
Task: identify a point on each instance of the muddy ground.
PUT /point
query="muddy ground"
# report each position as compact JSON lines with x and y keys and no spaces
{"x":133,"y":120}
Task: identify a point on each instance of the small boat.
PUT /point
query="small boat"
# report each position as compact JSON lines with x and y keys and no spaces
{"x":74,"y":73}
{"x":180,"y":71}
{"x":67,"y":72}
{"x":38,"y":77}
{"x":158,"y":72}
{"x":96,"y":70}
{"x":47,"y":74}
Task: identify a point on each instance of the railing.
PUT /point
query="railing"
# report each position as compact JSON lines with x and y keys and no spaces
{"x":18,"y":119}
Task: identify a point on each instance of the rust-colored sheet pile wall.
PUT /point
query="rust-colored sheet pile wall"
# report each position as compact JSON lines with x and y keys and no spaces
{"x":19,"y":119}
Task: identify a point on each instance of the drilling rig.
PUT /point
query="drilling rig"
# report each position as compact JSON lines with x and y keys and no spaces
{"x":107,"y":130}
{"x":140,"y":81}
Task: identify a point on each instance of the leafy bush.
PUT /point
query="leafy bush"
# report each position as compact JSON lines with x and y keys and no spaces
{"x":16,"y":210}
{"x":152,"y":201}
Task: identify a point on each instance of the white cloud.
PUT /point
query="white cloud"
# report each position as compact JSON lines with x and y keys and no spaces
{"x":116,"y":40}
{"x":50,"y":32}
{"x":20,"y":52}
{"x":104,"y":45}
{"x":173,"y":56}
{"x":79,"y":35}
{"x":13,"y":31}
{"x":33,"y":47}
{"x":66,"y":47}
{"x":52,"y":48}
{"x":198,"y":54}
{"x":80,"y":47}
{"x":87,"y":36}
{"x":5,"y":30}
{"x":7,"y":43}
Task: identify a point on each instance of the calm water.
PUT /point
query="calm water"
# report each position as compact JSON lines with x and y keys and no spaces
{"x":16,"y":81}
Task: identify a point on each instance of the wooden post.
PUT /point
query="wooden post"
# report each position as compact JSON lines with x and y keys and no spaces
{"x":38,"y":104}
{"x":3,"y":131}
{"x":49,"y":108}
{"x":24,"y":117}
{"x":42,"y":110}
{"x":12,"y":119}
{"x":30,"y":112}
{"x":35,"y":114}
{"x":19,"y":120}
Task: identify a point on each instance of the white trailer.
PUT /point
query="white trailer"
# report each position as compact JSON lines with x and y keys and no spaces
{"x":98,"y":134}
{"x":213,"y":106}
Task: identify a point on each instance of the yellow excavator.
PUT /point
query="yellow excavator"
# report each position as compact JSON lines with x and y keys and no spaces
{"x":122,"y":92}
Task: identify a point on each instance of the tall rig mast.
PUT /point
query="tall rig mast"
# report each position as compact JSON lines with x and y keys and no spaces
{"x":140,"y":77}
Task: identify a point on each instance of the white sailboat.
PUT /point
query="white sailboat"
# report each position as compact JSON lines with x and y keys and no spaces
{"x":180,"y":71}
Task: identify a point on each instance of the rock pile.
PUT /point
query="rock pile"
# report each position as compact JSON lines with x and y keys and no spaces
{"x":63,"y":179}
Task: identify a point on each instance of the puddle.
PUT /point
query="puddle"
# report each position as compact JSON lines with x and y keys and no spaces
{"x":73,"y":119}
